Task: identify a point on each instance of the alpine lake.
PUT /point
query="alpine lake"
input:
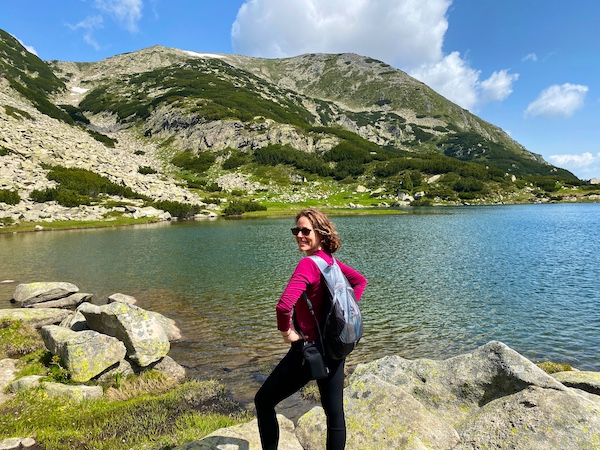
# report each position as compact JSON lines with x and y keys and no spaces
{"x":442,"y":281}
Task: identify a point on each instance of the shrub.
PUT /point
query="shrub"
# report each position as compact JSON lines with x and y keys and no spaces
{"x":348,"y":168}
{"x":198,"y":164}
{"x":17,"y":113}
{"x":75,"y":114}
{"x":273,"y":155}
{"x":47,"y":195}
{"x":547,"y":184}
{"x":145,"y":170}
{"x":9,"y":197}
{"x":107,"y":141}
{"x":236,"y":160}
{"x":177,"y":209}
{"x":468,"y":185}
{"x":79,"y":187}
{"x":70,"y":199}
{"x":239,"y":207}
{"x":89,"y":184}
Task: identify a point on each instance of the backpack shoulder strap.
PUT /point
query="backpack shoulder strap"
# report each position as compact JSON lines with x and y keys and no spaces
{"x":320,"y":262}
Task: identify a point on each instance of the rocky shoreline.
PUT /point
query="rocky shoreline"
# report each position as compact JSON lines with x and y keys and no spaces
{"x":492,"y":397}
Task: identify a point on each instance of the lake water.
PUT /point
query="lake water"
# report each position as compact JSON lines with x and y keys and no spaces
{"x":442,"y":281}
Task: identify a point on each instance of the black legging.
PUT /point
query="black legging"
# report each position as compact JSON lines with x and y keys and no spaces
{"x":289,"y":377}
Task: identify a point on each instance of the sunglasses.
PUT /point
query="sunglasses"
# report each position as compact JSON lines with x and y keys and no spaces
{"x":304,"y":231}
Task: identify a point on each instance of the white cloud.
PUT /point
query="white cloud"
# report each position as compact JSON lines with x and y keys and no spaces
{"x":498,"y":86}
{"x":29,"y":48}
{"x":558,"y":101}
{"x":530,"y":57}
{"x":127,"y":12}
{"x":404,"y":33}
{"x":454,"y":79}
{"x":89,"y":25}
{"x":586,"y":165}
{"x":407,"y":34}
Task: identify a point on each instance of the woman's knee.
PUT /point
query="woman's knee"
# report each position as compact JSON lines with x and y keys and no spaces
{"x":261,"y":400}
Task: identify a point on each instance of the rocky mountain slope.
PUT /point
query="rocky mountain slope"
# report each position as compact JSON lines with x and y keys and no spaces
{"x":176,"y":128}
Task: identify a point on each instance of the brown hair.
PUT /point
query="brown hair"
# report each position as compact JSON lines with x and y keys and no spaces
{"x":330,"y":240}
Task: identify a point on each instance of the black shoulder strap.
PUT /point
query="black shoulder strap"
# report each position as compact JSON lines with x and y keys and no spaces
{"x":312,"y":311}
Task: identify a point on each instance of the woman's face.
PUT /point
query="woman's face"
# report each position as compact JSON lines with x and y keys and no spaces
{"x":310,"y":242}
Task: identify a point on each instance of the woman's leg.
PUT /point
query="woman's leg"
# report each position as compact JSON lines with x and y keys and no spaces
{"x":287,"y":378}
{"x":332,"y":399}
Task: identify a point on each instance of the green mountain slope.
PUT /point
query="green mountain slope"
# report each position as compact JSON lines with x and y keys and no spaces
{"x":284,"y":126}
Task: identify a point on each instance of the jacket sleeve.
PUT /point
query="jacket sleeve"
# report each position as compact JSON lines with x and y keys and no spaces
{"x":306,"y":273}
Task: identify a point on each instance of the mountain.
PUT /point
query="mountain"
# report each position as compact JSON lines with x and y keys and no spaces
{"x":167,"y":127}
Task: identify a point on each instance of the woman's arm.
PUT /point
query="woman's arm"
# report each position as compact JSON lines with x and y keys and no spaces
{"x":306,"y":272}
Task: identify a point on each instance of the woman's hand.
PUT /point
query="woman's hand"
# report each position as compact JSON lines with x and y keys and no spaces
{"x":291,"y":335}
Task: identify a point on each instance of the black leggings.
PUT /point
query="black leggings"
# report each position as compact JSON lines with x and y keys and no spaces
{"x":289,"y":377}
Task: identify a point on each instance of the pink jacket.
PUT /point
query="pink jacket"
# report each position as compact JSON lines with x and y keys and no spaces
{"x":307,"y":277}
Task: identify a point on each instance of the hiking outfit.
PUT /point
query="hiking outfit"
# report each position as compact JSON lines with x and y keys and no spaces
{"x":289,"y":376}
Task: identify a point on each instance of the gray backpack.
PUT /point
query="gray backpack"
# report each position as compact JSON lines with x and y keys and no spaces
{"x":343,"y":325}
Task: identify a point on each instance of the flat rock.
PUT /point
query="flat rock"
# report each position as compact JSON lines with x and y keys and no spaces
{"x":36,"y":317}
{"x":584,"y":380}
{"x":31,"y":293}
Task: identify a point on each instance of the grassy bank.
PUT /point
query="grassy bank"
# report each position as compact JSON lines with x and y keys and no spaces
{"x":145,"y":412}
{"x":24,"y":227}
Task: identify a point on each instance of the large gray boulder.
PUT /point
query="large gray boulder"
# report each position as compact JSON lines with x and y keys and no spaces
{"x":31,"y":293}
{"x":491,"y":398}
{"x":380,"y":415}
{"x":140,"y":331}
{"x":84,"y":353}
{"x":533,"y":419}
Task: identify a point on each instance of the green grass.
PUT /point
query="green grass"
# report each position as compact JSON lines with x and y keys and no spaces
{"x":553,"y":367}
{"x":18,"y":339}
{"x":185,"y":413}
{"x":147,"y":411}
{"x":68,"y":224}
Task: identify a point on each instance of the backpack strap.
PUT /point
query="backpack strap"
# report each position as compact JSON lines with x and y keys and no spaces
{"x":322,"y":264}
{"x":312,"y":311}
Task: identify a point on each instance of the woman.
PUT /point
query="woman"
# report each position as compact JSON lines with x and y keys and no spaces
{"x":315,"y":235}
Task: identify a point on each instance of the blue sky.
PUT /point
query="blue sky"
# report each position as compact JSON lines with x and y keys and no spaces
{"x":530,"y":67}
